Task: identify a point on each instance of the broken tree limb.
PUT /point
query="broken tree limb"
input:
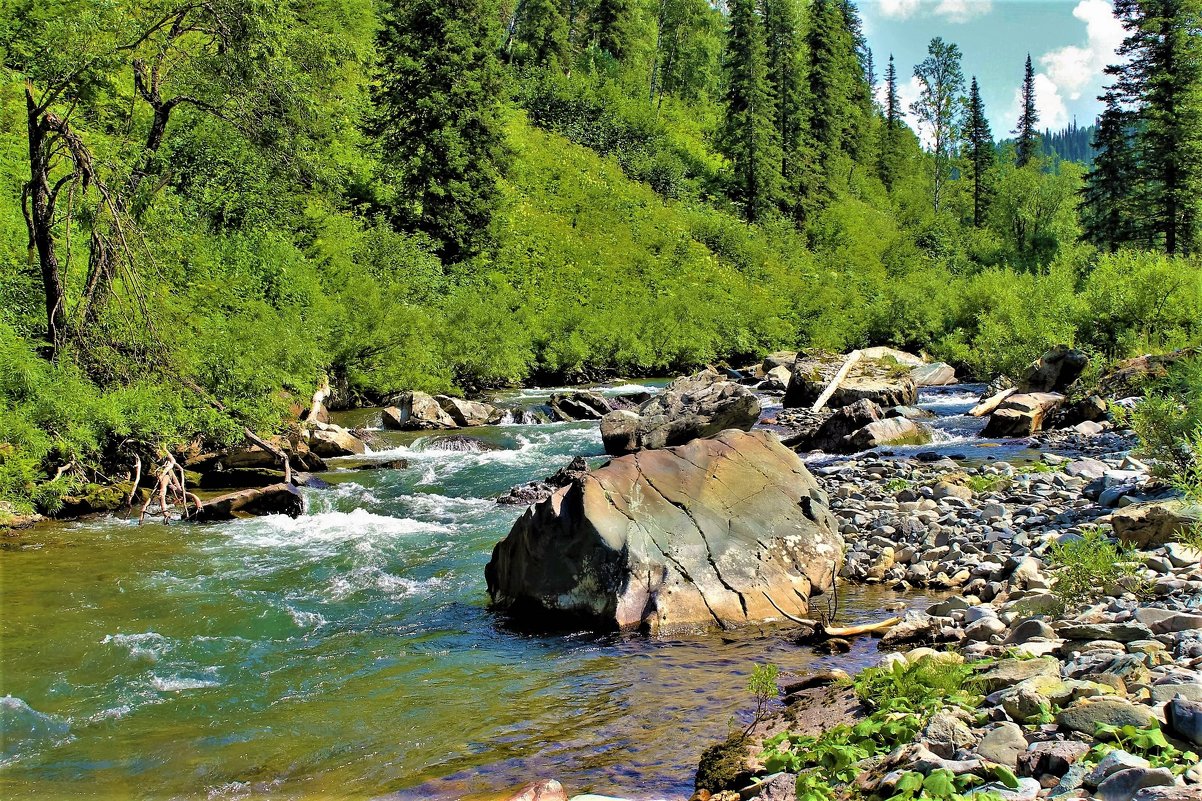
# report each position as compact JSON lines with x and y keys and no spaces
{"x":319,"y":397}
{"x":170,"y":488}
{"x":990,"y":404}
{"x":823,"y":631}
{"x":852,"y":358}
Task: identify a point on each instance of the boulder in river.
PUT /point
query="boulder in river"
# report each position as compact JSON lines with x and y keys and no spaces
{"x":1150,"y":525}
{"x":695,"y":535}
{"x":458,"y":442}
{"x":862,"y":425}
{"x":331,"y":441}
{"x":277,"y":499}
{"x":415,"y":411}
{"x":1054,"y":371}
{"x":885,"y":383}
{"x":1021,"y":414}
{"x":536,"y":491}
{"x":465,"y":413}
{"x":936,"y":374}
{"x":700,"y":405}
{"x":575,"y":406}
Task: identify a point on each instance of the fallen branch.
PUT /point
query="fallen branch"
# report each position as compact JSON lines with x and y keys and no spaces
{"x":852,"y":358}
{"x":823,"y":631}
{"x":990,"y":404}
{"x":170,"y":488}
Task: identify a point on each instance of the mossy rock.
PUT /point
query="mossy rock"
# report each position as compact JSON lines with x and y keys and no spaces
{"x":95,"y":499}
{"x":724,"y":766}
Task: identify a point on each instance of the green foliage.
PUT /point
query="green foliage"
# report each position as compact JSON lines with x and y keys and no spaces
{"x":1169,"y":419}
{"x":762,"y":685}
{"x":1148,"y":742}
{"x":981,"y":484}
{"x":926,"y":685}
{"x":1085,"y":567}
{"x":942,"y":784}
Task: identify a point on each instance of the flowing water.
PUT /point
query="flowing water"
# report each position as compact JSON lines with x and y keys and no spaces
{"x":348,"y":653}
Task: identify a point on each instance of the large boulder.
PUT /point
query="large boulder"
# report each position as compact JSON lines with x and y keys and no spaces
{"x":936,"y":374}
{"x":464,"y":412}
{"x":881,"y":353}
{"x":300,"y":456}
{"x":331,"y":441}
{"x":575,"y":406}
{"x":1054,"y":371}
{"x":861,"y":426}
{"x":885,"y":383}
{"x":700,"y":405}
{"x":277,"y":499}
{"x":1022,"y":414}
{"x":690,"y":536}
{"x":1132,"y":377}
{"x":416,"y":411}
{"x":1156,"y":523}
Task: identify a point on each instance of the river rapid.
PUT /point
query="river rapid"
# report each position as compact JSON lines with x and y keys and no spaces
{"x":350,"y":653}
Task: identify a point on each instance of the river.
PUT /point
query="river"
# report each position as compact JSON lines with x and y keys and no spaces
{"x":350,"y":653}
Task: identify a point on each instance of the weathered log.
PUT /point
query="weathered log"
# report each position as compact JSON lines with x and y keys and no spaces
{"x":821,"y":631}
{"x":852,"y":358}
{"x":990,"y":404}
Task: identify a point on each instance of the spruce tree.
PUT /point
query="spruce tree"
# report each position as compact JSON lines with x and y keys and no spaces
{"x":750,"y":138}
{"x":1107,"y":208}
{"x":438,"y":119}
{"x":836,"y":89}
{"x":783,"y":31}
{"x":541,"y":32}
{"x":981,"y":155}
{"x":890,"y":154}
{"x":1028,"y":134}
{"x":613,"y":24}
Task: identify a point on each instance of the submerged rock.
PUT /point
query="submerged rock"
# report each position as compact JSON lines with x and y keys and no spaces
{"x":700,"y":405}
{"x":277,"y":499}
{"x":861,"y":426}
{"x":680,"y":537}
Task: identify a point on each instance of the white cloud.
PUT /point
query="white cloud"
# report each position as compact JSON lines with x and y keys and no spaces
{"x":899,"y":9}
{"x":1074,"y":69}
{"x":951,"y":10}
{"x":963,"y":10}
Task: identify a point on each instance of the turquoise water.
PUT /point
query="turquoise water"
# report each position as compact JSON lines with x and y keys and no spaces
{"x":349,"y":653}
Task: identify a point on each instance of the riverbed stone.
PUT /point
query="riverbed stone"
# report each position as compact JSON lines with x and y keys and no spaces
{"x":1185,"y":719}
{"x":700,"y":405}
{"x":1155,"y":523}
{"x":1021,"y":414}
{"x":545,"y":790}
{"x":1003,"y":744}
{"x":271,"y":500}
{"x":1123,"y":786}
{"x":879,"y":381}
{"x":1009,"y":672}
{"x":464,"y":412}
{"x":700,"y":534}
{"x":1085,"y":714}
{"x":416,"y":411}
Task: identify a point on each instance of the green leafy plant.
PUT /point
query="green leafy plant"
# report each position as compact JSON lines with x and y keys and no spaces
{"x":1148,"y":742}
{"x":942,"y":785}
{"x":897,"y":484}
{"x":1085,"y":567}
{"x":986,"y":483}
{"x":762,"y":685}
{"x":931,"y":682}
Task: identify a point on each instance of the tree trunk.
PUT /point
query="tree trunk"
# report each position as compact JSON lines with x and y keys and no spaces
{"x":39,"y":219}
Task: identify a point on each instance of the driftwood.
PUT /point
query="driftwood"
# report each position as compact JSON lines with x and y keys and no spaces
{"x":852,"y":358}
{"x":822,"y":631}
{"x":990,"y":404}
{"x":170,"y":488}
{"x":319,"y":397}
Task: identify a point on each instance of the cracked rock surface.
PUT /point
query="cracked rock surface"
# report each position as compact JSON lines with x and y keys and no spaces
{"x":693,"y":536}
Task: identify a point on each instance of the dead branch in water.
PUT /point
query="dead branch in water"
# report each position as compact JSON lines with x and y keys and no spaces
{"x":170,"y":488}
{"x":821,"y":630}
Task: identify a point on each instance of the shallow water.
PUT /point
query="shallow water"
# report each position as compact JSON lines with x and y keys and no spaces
{"x":349,"y":653}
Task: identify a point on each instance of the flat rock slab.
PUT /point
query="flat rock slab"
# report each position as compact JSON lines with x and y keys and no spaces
{"x":693,"y":536}
{"x":1085,"y":715}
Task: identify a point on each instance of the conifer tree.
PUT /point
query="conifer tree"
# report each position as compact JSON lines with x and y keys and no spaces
{"x":438,"y":107}
{"x":981,"y":156}
{"x":938,"y":103}
{"x":890,"y":152}
{"x":893,"y":112}
{"x":541,"y":32}
{"x":613,"y":24}
{"x":750,"y":138}
{"x":1106,"y":200}
{"x":836,"y":89}
{"x":1027,"y":131}
{"x":783,"y":31}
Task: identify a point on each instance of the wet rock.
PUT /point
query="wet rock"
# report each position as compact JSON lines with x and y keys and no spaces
{"x":1085,"y":715}
{"x":548,"y":790}
{"x":416,"y":411}
{"x":1021,"y":415}
{"x":277,"y":499}
{"x":689,"y":408}
{"x":937,"y":374}
{"x":460,"y":443}
{"x":575,"y":406}
{"x":334,"y":441}
{"x":240,"y":478}
{"x":673,"y":538}
{"x":538,"y":491}
{"x":95,"y":499}
{"x":464,"y":412}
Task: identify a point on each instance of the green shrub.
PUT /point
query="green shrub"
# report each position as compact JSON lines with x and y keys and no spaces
{"x":1086,"y":567}
{"x":1169,"y":419}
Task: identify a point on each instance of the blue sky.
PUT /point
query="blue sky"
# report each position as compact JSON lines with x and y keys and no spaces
{"x":1070,"y":42}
